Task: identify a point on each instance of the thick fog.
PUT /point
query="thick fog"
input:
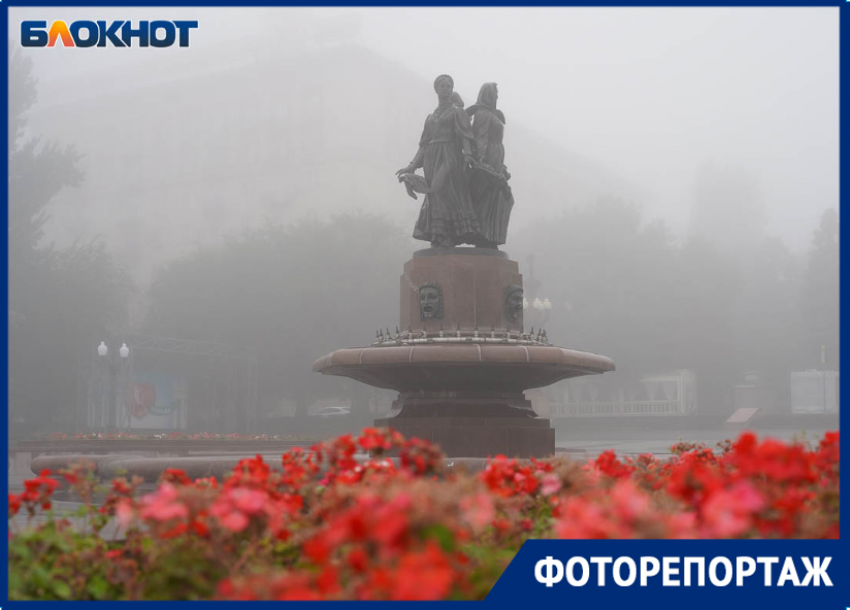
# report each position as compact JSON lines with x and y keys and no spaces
{"x":650,"y":94}
{"x":673,"y":171}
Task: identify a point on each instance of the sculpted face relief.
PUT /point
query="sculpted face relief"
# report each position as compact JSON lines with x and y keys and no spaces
{"x":430,"y":301}
{"x":513,"y":302}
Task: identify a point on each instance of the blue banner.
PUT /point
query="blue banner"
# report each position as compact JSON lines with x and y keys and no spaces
{"x":708,"y":574}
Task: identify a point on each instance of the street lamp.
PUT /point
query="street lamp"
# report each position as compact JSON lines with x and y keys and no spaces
{"x":542,"y":308}
{"x":110,"y":405}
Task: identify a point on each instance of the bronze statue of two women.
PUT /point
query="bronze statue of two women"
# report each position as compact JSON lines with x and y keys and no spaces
{"x":467,"y":196}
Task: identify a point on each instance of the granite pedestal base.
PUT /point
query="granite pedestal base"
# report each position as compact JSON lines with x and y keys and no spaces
{"x":480,"y":437}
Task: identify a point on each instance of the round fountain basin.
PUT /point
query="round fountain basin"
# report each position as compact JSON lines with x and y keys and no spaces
{"x":461,"y":367}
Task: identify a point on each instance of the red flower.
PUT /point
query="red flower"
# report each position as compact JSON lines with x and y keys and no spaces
{"x":300,"y":594}
{"x":14,"y":505}
{"x":607,"y":463}
{"x":420,"y":457}
{"x":425,"y":575}
{"x":358,"y":560}
{"x":176,"y":477}
{"x":377,"y":441}
{"x":317,"y":550}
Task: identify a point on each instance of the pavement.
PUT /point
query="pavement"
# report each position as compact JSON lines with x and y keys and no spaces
{"x":659,"y":443}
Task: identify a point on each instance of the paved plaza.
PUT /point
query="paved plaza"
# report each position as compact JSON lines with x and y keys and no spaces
{"x":655,"y":443}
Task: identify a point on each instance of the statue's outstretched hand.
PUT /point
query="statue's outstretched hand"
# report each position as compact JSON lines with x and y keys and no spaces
{"x":405,"y":170}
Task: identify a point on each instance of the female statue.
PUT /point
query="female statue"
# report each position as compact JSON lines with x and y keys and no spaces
{"x":445,"y":151}
{"x":491,"y":195}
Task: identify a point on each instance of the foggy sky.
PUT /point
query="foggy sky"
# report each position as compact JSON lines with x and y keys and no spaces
{"x":651,"y":94}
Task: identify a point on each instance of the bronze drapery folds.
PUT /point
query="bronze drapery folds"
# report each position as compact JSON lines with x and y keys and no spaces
{"x":465,"y":183}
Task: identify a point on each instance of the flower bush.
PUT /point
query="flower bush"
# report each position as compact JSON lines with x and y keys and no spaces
{"x":325,"y":525}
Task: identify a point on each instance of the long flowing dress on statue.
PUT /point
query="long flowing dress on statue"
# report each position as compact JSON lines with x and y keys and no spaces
{"x":492,"y":199}
{"x":446,"y":217}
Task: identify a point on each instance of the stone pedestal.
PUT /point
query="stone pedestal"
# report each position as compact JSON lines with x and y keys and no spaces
{"x":480,"y":437}
{"x":473,"y":282}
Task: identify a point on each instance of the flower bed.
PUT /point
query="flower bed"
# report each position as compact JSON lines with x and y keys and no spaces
{"x":324,"y":526}
{"x":174,"y":436}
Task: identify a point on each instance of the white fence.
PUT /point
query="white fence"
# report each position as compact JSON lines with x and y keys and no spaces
{"x":669,"y":394}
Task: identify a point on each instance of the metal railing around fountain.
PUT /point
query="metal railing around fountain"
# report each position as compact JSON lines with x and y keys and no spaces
{"x":499,"y":337}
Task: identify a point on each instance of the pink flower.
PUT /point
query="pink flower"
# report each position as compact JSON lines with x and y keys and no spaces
{"x":551,"y":484}
{"x":746,"y":497}
{"x":478,"y":510}
{"x":728,"y":512}
{"x":163,"y":504}
{"x":631,"y":502}
{"x":249,"y":501}
{"x":234,"y":508}
{"x":124,"y":512}
{"x":234,"y":521}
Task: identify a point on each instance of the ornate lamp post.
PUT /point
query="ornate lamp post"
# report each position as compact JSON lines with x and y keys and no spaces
{"x":111,"y":368}
{"x":542,"y":307}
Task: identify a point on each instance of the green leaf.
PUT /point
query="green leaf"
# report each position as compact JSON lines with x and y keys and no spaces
{"x":41,"y":576}
{"x":15,"y":584}
{"x":97,"y":587}
{"x":61,"y":589}
{"x":442,"y":534}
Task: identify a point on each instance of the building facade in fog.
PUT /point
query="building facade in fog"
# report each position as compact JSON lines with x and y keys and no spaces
{"x":669,"y":394}
{"x":189,"y":150}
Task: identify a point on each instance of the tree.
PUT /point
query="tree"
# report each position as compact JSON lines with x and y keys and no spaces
{"x":727,"y":211}
{"x":768,"y":326}
{"x":701,"y":324}
{"x":290,"y":293}
{"x":622,"y":287}
{"x":37,"y":170}
{"x":608,"y":277}
{"x":59,"y":300}
{"x":819,"y":301}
